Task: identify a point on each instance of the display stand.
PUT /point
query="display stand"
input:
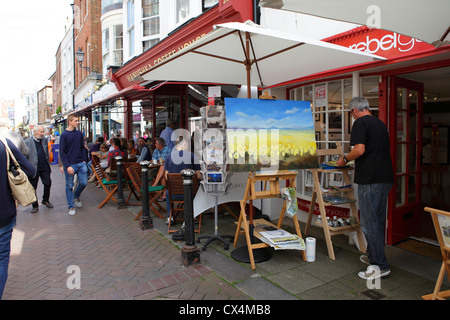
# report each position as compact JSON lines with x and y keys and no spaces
{"x":216,"y":236}
{"x":216,"y":177}
{"x":441,"y":221}
{"x":256,"y":252}
{"x":317,"y":197}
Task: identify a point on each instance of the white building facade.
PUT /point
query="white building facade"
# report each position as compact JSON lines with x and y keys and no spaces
{"x":67,"y":70}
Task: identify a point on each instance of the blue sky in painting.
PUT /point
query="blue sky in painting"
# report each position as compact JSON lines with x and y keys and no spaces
{"x":268,"y":114}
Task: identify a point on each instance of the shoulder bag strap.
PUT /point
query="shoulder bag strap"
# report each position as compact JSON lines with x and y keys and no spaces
{"x":9,"y":152}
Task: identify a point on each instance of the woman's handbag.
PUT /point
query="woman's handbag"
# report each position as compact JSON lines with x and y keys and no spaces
{"x":21,"y":189}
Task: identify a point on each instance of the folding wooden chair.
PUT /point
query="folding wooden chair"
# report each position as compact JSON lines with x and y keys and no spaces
{"x":153,"y":192}
{"x":110,"y":186}
{"x":129,"y":183}
{"x":95,"y":159}
{"x":176,"y":198}
{"x":441,"y":221}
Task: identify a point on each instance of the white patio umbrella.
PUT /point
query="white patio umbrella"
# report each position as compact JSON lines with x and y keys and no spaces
{"x":424,"y":20}
{"x":248,"y":54}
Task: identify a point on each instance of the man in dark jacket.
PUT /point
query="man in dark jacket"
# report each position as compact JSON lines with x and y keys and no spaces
{"x":38,"y":157}
{"x":8,"y":211}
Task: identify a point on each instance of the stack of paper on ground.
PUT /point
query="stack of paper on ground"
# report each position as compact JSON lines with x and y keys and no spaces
{"x":281,"y":240}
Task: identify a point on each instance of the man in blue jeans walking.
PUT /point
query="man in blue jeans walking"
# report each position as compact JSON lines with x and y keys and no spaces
{"x":375,"y":177}
{"x":73,"y":156}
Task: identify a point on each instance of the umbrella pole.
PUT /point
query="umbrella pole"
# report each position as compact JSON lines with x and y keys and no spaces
{"x":248,"y":64}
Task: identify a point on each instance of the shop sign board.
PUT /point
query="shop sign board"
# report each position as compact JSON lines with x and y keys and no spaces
{"x":383,"y":43}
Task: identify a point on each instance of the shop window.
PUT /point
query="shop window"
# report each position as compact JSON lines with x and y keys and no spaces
{"x":151,"y":26}
{"x":182,"y":11}
{"x":149,"y":43}
{"x":332,"y":120}
{"x":118,"y":45}
{"x":150,"y":18}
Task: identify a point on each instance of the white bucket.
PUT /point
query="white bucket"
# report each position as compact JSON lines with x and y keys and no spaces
{"x":310,"y":249}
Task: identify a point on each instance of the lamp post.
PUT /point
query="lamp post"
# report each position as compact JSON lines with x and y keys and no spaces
{"x":80,"y":57}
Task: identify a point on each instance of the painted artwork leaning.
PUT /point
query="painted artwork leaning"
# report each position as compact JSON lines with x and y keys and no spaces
{"x":270,"y":135}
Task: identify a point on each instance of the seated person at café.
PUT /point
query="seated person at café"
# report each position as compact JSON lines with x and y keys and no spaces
{"x":159,"y":155}
{"x":161,"y":150}
{"x":117,"y":150}
{"x":102,"y":156}
{"x":185,"y":160}
{"x":132,"y":150}
{"x":145,"y":153}
{"x":124,"y":143}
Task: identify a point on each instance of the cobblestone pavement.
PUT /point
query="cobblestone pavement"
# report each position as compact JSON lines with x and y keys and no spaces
{"x":116,"y":260}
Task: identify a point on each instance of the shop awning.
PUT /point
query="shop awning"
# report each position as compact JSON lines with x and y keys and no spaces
{"x":132,"y":93}
{"x":424,"y":20}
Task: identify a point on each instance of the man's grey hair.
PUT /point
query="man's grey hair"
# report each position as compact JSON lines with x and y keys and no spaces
{"x":359,"y":103}
{"x":38,"y":127}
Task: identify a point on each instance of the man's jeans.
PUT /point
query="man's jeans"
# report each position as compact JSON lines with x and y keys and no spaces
{"x":372,"y":200}
{"x":5,"y":250}
{"x":80,"y":169}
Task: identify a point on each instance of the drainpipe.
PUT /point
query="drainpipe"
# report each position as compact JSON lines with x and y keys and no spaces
{"x":355,"y":85}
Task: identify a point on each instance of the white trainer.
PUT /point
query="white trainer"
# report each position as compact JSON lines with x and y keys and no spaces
{"x":72,"y":211}
{"x":77,"y":203}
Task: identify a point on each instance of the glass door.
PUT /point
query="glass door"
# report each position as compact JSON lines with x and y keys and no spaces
{"x":405,"y":129}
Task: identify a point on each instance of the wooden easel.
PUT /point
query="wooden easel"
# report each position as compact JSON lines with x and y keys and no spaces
{"x":271,"y":190}
{"x":317,"y":197}
{"x":445,"y":250}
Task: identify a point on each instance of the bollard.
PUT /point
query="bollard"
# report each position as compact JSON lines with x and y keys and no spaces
{"x":120,"y":199}
{"x":146,"y":221}
{"x":190,"y":254}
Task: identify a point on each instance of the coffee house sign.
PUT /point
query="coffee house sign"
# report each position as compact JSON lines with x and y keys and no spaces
{"x":161,"y":58}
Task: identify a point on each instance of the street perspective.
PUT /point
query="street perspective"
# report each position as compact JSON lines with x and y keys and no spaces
{"x":225,"y":158}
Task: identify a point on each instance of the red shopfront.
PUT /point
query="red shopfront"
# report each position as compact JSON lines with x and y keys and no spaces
{"x":176,"y":97}
{"x":412,"y":70}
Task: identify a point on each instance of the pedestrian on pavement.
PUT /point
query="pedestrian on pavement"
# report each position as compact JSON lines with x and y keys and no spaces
{"x":8,"y":212}
{"x":39,"y":158}
{"x":374,"y":176}
{"x":14,"y":137}
{"x":166,"y":134}
{"x":73,"y":157}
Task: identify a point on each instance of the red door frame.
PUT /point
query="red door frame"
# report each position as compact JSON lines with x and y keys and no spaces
{"x":404,"y":221}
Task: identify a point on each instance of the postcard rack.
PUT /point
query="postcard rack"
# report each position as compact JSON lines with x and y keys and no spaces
{"x":271,"y":189}
{"x":318,"y":197}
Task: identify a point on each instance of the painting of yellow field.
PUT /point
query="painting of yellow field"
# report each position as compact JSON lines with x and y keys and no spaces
{"x":269,"y":135}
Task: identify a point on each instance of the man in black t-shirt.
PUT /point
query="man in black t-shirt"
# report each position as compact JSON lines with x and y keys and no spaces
{"x":375,"y":177}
